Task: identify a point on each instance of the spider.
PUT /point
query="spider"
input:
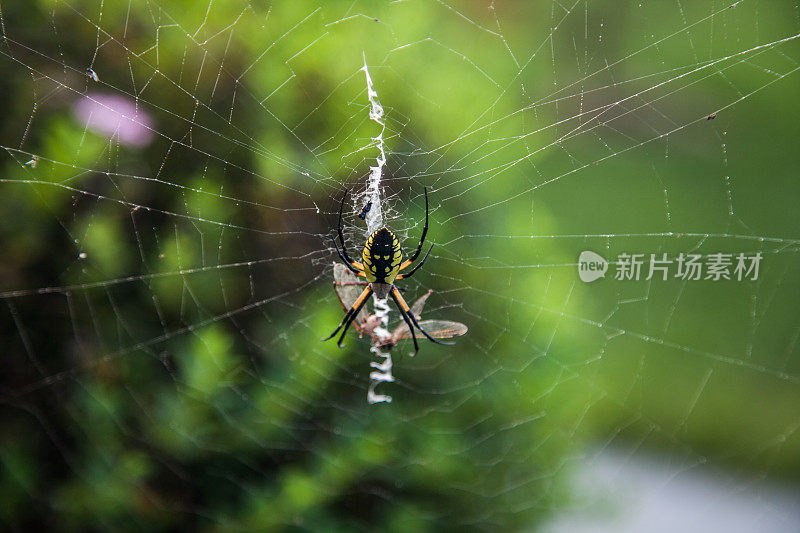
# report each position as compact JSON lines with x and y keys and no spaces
{"x":382,"y":263}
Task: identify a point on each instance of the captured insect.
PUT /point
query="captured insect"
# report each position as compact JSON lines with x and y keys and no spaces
{"x":364,"y":210}
{"x":348,"y":287}
{"x":381,"y":264}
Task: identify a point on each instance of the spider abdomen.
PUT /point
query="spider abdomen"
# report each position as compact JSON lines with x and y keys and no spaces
{"x":382,"y":257}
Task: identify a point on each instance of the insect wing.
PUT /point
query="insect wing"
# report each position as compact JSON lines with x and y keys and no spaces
{"x":419,"y":305}
{"x":438,"y":329}
{"x":346,"y":285}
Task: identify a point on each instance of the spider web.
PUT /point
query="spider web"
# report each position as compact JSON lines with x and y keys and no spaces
{"x":171,"y":180}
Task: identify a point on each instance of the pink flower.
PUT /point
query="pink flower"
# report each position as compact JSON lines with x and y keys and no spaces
{"x":115,"y":116}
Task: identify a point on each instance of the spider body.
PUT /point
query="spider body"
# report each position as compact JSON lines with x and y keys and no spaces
{"x":382,"y":261}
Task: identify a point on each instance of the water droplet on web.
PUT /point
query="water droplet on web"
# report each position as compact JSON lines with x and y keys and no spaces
{"x":82,"y":255}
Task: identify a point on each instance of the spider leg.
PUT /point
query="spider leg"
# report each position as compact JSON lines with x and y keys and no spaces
{"x":413,"y":258}
{"x":401,"y":303}
{"x":347,"y":263}
{"x":408,"y":323}
{"x":411,"y":272}
{"x":350,"y":315}
{"x":363,"y":284}
{"x":343,"y":252}
{"x":356,"y":310}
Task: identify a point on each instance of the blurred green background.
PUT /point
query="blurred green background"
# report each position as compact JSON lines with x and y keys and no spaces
{"x":163,"y":302}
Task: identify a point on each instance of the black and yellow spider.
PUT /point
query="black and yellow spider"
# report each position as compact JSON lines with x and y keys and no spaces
{"x":382,"y":263}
